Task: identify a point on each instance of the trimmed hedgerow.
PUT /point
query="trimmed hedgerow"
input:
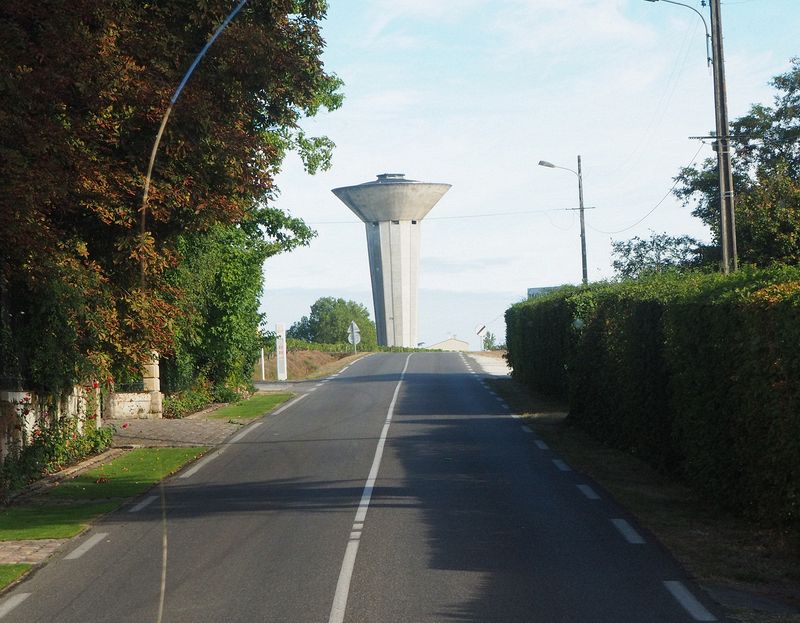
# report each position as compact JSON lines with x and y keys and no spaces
{"x":698,"y":374}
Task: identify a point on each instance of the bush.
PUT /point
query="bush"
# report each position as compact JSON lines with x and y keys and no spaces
{"x":180,"y":404}
{"x":698,"y":374}
{"x":54,"y":445}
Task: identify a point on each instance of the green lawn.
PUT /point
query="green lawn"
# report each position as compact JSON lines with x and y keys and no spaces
{"x":9,"y":573}
{"x":49,"y":522}
{"x":131,"y":474}
{"x":253,"y":407}
{"x":68,"y":508}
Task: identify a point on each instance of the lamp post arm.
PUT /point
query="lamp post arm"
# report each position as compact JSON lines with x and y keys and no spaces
{"x":705,"y":25}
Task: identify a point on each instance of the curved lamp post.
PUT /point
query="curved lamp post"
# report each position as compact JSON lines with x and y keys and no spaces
{"x":550,"y":165}
{"x":727,"y":217}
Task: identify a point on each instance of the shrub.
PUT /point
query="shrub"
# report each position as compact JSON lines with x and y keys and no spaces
{"x":698,"y":374}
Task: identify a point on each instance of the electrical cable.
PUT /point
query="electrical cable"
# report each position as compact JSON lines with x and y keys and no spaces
{"x":655,"y":207}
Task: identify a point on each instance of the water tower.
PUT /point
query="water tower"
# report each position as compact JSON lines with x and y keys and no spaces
{"x":392,"y":209}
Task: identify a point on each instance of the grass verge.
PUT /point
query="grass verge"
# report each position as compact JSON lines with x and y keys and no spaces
{"x":753,"y":570}
{"x":253,"y":407}
{"x":10,"y":573}
{"x":68,"y":508}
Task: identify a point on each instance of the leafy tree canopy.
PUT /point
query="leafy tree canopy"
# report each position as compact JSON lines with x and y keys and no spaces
{"x":766,"y":168}
{"x":330,"y":320}
{"x":83,"y":89}
{"x":637,"y":257}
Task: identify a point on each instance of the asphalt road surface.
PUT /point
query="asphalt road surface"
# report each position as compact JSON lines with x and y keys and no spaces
{"x":399,"y":490}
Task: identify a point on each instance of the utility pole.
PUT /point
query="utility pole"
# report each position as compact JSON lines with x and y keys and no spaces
{"x":723,"y":146}
{"x":583,"y":225}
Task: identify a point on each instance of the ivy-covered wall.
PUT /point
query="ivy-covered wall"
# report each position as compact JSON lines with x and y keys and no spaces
{"x":697,"y":374}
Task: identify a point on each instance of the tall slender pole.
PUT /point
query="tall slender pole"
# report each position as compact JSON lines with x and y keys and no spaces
{"x":583,"y":224}
{"x":727,"y":218}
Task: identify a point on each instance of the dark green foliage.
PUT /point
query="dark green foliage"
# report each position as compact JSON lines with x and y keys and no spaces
{"x":330,"y":320}
{"x":661,"y":252}
{"x":766,"y":179}
{"x":54,"y":445}
{"x":182,"y":403}
{"x":698,"y":374}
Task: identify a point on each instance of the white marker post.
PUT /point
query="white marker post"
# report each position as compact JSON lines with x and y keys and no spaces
{"x":280,"y":350}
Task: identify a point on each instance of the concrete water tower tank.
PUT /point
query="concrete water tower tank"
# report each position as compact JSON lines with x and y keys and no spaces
{"x":392,"y":209}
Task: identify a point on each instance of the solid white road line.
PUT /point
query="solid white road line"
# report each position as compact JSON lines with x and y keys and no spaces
{"x":542,"y":445}
{"x":348,"y":563}
{"x":689,"y":602}
{"x":12,"y":602}
{"x":561,"y":465}
{"x":627,"y":532}
{"x":86,"y":546}
{"x":144,"y":503}
{"x":588,"y":492}
{"x":515,"y":416}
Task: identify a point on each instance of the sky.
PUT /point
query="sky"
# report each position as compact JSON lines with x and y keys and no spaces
{"x":474,"y":93}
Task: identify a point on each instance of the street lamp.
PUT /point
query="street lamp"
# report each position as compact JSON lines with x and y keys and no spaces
{"x":550,"y":165}
{"x":727,"y":217}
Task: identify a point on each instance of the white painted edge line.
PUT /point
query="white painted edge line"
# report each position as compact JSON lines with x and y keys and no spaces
{"x":561,"y":465}
{"x":143,"y":504}
{"x":201,"y":463}
{"x":12,"y":602}
{"x":515,"y":416}
{"x":689,"y":602}
{"x":86,"y":546}
{"x":291,"y":403}
{"x":527,"y":429}
{"x":348,"y":562}
{"x":244,"y":433}
{"x":627,"y":532}
{"x":542,"y":445}
{"x":590,"y":493}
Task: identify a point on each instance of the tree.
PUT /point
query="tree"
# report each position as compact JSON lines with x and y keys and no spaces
{"x":330,"y":320}
{"x":84,"y":87}
{"x":489,"y":341}
{"x":637,"y":256}
{"x":766,"y":173}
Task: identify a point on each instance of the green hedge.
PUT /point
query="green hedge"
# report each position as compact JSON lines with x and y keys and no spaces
{"x":698,"y":374}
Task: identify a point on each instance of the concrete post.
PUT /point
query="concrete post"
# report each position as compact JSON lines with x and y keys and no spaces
{"x":152,"y":384}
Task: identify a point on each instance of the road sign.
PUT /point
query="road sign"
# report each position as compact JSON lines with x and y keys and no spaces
{"x":354,"y":334}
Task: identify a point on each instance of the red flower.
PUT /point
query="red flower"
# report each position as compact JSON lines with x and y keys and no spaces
{"x":125,"y":425}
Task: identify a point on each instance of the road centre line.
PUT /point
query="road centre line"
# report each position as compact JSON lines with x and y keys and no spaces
{"x":627,"y":532}
{"x":689,"y":602}
{"x":143,"y":504}
{"x":588,"y":492}
{"x":86,"y":546}
{"x":348,"y":562}
{"x":12,"y":602}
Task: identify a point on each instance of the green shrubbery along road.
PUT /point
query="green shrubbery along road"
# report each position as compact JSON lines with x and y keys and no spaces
{"x":698,"y":374}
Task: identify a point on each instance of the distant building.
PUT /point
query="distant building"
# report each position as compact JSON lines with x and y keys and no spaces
{"x":452,"y":343}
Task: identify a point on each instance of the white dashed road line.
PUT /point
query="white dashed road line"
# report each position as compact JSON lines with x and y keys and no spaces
{"x":590,"y":493}
{"x":527,"y":429}
{"x":689,"y":602}
{"x":561,"y":465}
{"x":86,"y":546}
{"x":12,"y":602}
{"x":542,"y":445}
{"x":627,"y":532}
{"x":144,"y":503}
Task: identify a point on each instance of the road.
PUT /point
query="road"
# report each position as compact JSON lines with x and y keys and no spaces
{"x":399,"y":490}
